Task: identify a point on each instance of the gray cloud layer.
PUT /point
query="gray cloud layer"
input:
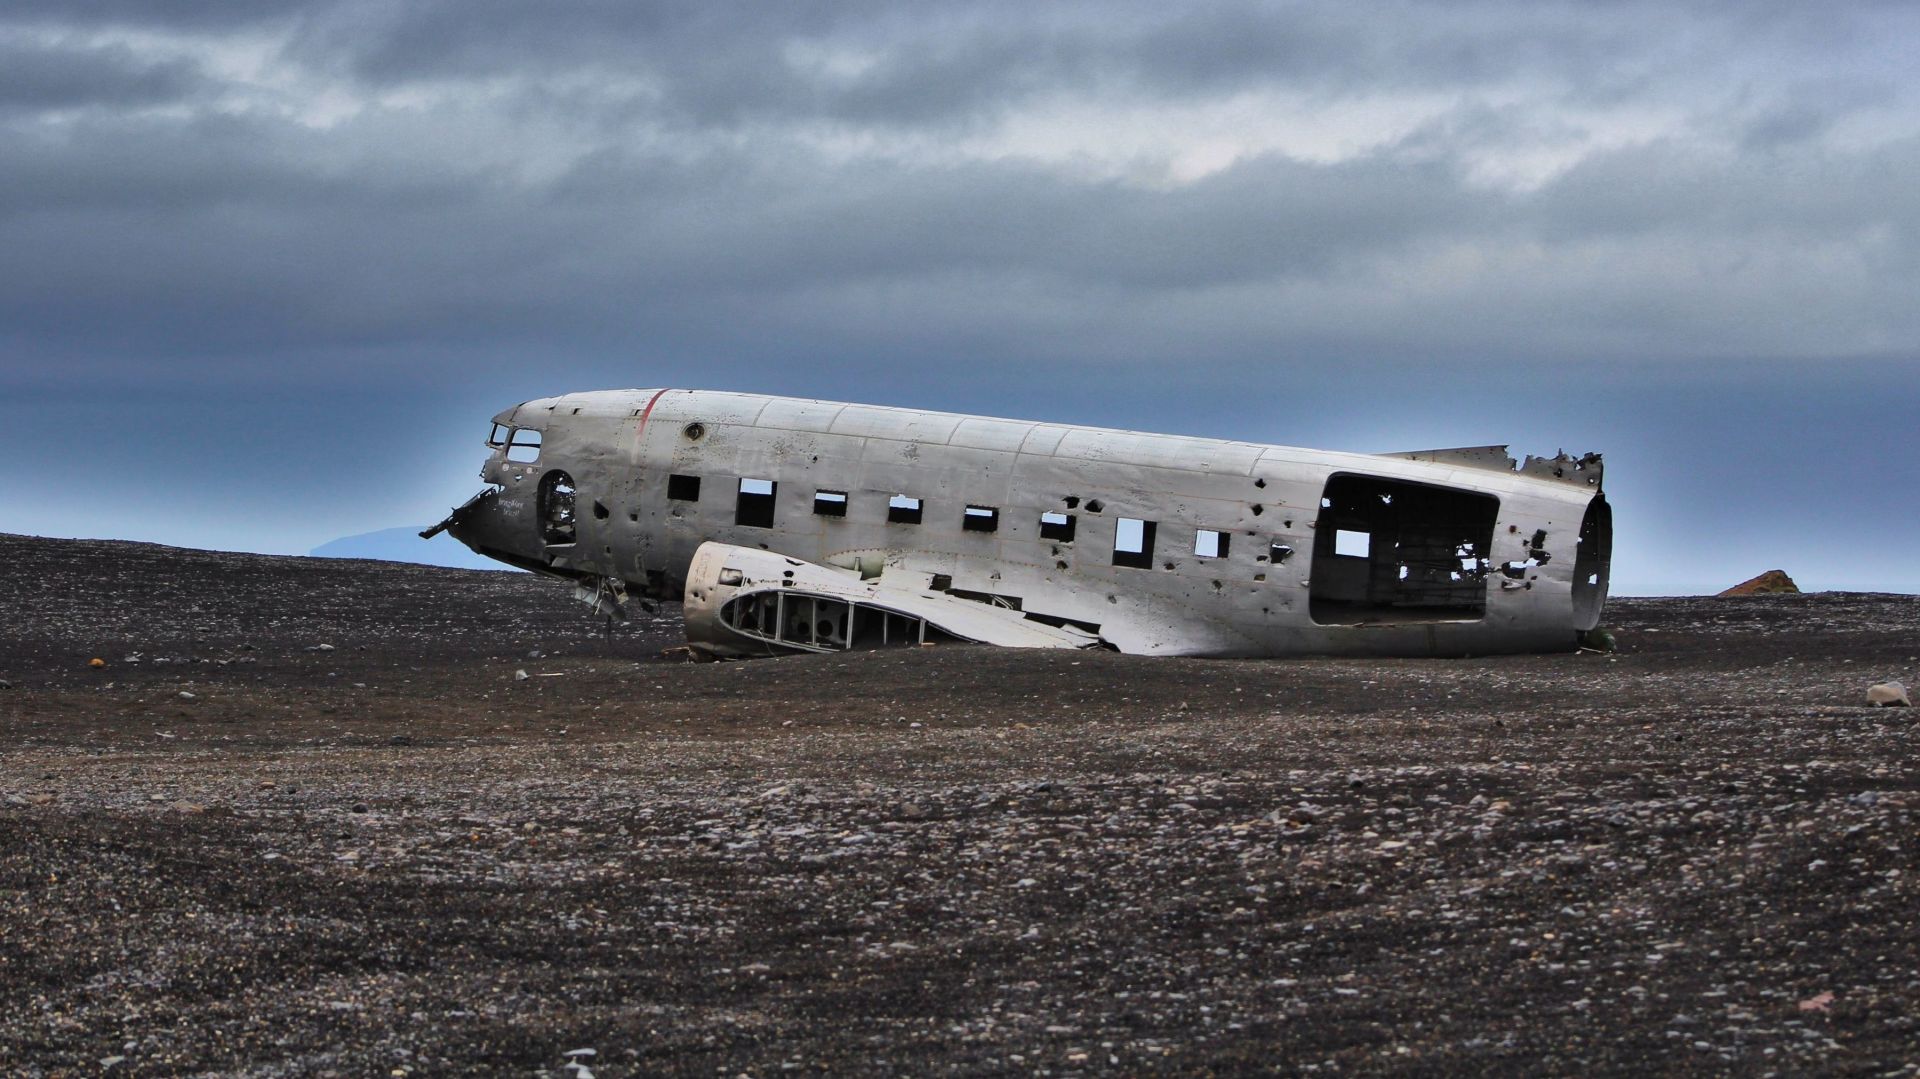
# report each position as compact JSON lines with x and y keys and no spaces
{"x":266,"y":266}
{"x":1093,"y":182}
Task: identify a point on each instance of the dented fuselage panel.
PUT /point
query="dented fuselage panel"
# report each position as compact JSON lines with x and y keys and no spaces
{"x":971,"y":528}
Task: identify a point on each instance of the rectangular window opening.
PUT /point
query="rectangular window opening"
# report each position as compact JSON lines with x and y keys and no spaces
{"x":1057,"y":527}
{"x":903,"y":510}
{"x":1208,"y":543}
{"x":1133,"y":543}
{"x":1348,"y":544}
{"x":830,"y":503}
{"x":523,"y":446}
{"x":683,"y":488}
{"x":754,"y":508}
{"x":981,"y":519}
{"x":498,"y":436}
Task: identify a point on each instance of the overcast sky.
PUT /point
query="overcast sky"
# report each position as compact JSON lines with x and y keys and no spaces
{"x":266,"y":268}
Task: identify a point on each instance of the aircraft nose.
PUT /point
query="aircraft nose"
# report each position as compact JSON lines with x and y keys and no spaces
{"x":478,"y":522}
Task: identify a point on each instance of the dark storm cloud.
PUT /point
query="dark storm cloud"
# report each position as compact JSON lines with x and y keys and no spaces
{"x":189,"y":15}
{"x":230,"y":240}
{"x":61,"y":76}
{"x":727,"y":59}
{"x":219,"y":245}
{"x":1808,"y":111}
{"x":723,"y":61}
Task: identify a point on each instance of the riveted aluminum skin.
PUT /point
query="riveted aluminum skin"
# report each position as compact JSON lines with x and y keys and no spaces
{"x":1173,"y":545}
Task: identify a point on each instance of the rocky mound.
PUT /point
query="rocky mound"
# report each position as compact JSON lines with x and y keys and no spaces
{"x":1772,"y":582}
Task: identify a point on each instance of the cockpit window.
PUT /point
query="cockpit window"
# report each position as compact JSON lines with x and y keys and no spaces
{"x":524,"y":446}
{"x":499,"y":436}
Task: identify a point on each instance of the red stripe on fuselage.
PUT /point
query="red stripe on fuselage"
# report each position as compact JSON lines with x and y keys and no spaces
{"x":641,"y":431}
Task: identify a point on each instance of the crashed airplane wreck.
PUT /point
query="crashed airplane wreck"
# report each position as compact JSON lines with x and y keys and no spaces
{"x":788,"y":525}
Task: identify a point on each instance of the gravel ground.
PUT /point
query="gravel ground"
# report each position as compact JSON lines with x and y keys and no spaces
{"x":307,"y":820}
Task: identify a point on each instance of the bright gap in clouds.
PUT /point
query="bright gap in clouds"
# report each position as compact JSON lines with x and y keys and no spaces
{"x":1162,"y":146}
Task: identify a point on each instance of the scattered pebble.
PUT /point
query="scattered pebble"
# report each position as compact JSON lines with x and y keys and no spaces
{"x":1101,"y":863}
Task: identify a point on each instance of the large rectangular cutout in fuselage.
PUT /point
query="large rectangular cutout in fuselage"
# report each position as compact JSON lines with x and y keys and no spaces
{"x":1389,"y":551}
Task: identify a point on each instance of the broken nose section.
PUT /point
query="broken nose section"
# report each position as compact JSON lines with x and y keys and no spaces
{"x":493,"y":524}
{"x":498,"y":525}
{"x":459,"y":515}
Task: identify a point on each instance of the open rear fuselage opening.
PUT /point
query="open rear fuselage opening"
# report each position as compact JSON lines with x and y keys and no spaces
{"x":1389,"y":551}
{"x":1591,"y":563}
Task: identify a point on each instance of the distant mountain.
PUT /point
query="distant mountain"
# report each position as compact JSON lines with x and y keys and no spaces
{"x":405,"y":545}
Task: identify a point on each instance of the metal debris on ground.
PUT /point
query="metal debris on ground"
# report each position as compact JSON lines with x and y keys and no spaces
{"x":1888,"y":695}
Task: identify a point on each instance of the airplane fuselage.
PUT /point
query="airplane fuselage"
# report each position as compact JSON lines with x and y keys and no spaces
{"x":1149,"y":543}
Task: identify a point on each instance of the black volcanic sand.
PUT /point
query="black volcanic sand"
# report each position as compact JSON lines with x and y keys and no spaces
{"x":233,"y":851}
